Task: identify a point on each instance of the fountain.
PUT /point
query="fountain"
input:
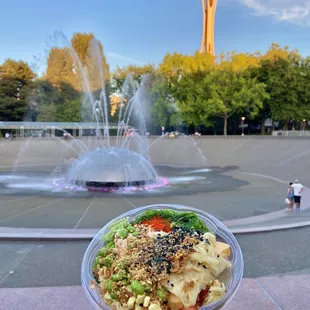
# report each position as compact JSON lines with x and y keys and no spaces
{"x":103,"y":169}
{"x":110,"y":166}
{"x":103,"y":163}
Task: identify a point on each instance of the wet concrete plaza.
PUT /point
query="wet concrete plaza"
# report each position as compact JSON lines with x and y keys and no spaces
{"x":231,"y":185}
{"x":226,"y":193}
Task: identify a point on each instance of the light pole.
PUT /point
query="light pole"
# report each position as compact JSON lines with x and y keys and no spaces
{"x":303,"y":124}
{"x":242,"y":125}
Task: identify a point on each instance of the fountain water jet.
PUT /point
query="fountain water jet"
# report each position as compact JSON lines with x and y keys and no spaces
{"x":109,"y":166}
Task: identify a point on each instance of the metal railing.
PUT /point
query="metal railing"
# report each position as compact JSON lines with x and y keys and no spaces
{"x":50,"y":125}
{"x":291,"y":133}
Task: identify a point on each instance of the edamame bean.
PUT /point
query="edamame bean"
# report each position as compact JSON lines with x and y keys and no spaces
{"x":131,"y":229}
{"x":109,"y":236}
{"x":123,"y":233}
{"x":103,"y":252}
{"x":110,"y":286}
{"x":115,"y":278}
{"x":121,"y":265}
{"x":119,"y":276}
{"x":162,"y":294}
{"x":137,"y":287}
{"x":122,"y":274}
{"x":107,"y":261}
{"x":97,"y":260}
{"x":110,"y":245}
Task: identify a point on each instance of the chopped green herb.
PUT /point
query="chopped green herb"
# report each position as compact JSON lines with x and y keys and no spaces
{"x":179,"y":219}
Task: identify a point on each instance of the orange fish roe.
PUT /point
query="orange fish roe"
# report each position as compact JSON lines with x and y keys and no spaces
{"x":158,"y":224}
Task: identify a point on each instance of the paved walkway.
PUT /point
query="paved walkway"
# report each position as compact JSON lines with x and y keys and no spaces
{"x":270,"y":293}
{"x":273,"y":221}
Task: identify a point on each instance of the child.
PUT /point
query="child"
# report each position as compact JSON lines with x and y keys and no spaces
{"x":290,"y":196}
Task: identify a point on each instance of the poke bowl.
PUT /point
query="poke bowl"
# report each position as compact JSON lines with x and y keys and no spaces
{"x":163,"y":256}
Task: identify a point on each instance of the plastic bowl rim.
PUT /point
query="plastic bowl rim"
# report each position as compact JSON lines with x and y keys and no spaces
{"x":217,"y":225}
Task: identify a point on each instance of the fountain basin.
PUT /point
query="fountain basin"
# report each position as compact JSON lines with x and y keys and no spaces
{"x":111,"y":168}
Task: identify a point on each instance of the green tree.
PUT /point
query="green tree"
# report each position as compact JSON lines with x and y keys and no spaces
{"x":137,"y":73}
{"x":190,"y":98}
{"x":42,"y":96}
{"x":47,"y":113}
{"x":45,"y":93}
{"x":304,"y":88}
{"x":287,"y":83}
{"x":164,"y":110}
{"x":69,"y":111}
{"x":16,"y":79}
{"x":50,"y":103}
{"x":231,"y":92}
{"x":13,"y":101}
{"x":270,"y":71}
{"x":220,"y":93}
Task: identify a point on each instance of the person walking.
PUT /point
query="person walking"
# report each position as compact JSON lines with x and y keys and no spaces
{"x":290,"y":197}
{"x":298,"y":189}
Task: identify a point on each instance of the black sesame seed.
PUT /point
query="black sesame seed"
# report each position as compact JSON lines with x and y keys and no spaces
{"x":141,"y":305}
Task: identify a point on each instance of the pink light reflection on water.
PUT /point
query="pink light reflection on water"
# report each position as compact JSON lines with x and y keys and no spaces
{"x":164,"y":183}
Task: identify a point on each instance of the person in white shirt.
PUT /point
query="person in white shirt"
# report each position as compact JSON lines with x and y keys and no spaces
{"x":298,"y":189}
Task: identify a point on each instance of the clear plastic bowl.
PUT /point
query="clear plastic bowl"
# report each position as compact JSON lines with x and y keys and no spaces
{"x":215,"y":226}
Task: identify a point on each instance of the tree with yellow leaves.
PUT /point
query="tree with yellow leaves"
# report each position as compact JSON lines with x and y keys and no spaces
{"x":90,"y":53}
{"x":175,"y":65}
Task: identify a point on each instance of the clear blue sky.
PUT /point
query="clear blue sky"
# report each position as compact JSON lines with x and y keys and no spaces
{"x":143,"y":31}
